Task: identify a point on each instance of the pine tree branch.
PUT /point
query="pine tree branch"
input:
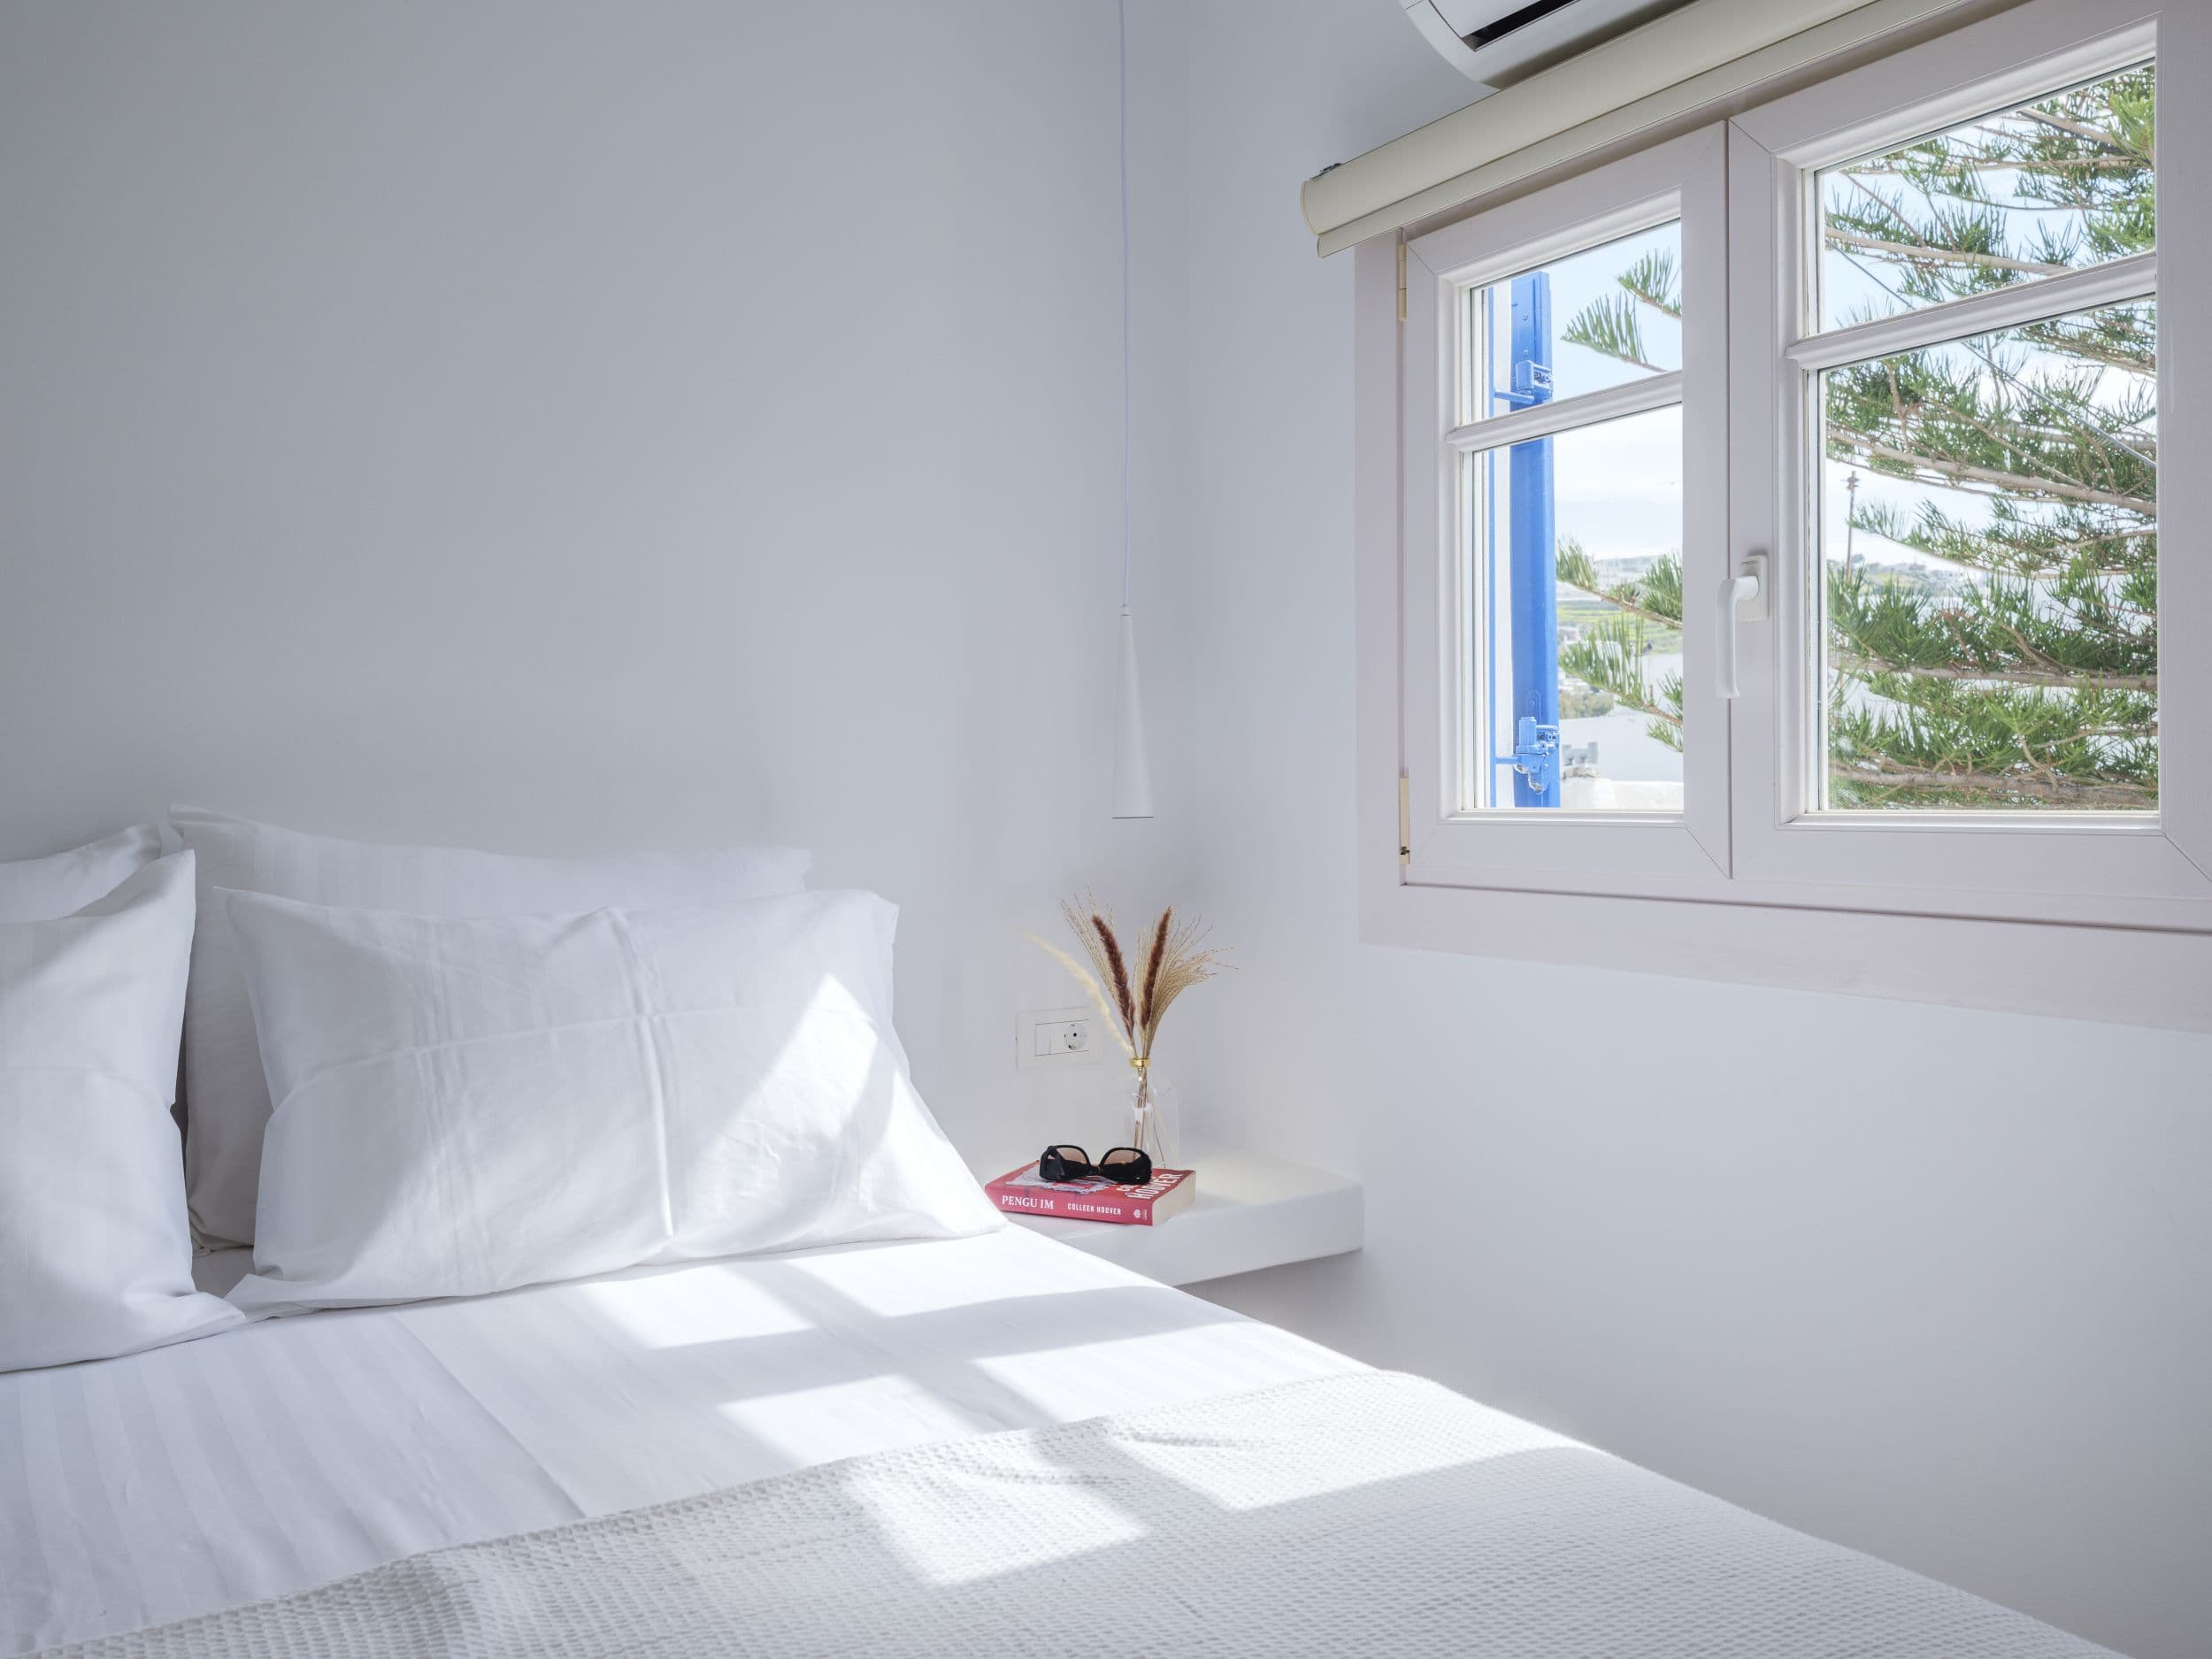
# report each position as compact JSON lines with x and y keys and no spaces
{"x":1655,"y":281}
{"x":1610,"y":657}
{"x":1860,"y":665}
{"x":1979,"y":163}
{"x":1608,"y":327}
{"x":1643,"y":703}
{"x":1581,"y":577}
{"x":2094,"y":350}
{"x":2082,"y":129}
{"x":1993,"y":480}
{"x":1929,"y":253}
{"x":1886,"y":777}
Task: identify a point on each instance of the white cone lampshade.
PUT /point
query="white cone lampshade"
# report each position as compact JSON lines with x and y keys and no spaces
{"x":1133,"y":773}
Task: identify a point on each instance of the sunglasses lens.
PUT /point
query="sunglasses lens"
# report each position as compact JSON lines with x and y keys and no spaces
{"x":1064,"y":1163}
{"x":1125,"y":1163}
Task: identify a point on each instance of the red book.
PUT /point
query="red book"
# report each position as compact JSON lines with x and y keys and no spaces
{"x":1023,"y":1191}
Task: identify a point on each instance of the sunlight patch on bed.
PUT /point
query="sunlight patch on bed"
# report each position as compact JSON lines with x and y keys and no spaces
{"x":1021,"y":1512}
{"x":837,"y":1419}
{"x":1077,"y":1378}
{"x":884,"y":1279}
{"x":1269,"y":1469}
{"x":692,"y":1306}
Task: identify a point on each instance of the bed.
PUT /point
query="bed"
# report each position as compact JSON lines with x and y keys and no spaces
{"x":1100,"y":1430}
{"x":168,"y":1484}
{"x":443,"y":1408}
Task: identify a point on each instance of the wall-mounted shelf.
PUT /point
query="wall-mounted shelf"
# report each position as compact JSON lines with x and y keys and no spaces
{"x":1252,"y":1210}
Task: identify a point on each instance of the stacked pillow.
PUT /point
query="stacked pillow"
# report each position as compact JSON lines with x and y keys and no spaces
{"x":466,"y":1105}
{"x":95,"y":1256}
{"x":40,"y":889}
{"x":227,"y":1100}
{"x":421,"y":1071}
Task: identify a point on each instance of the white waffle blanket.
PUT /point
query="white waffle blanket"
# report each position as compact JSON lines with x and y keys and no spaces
{"x":1370,"y":1514}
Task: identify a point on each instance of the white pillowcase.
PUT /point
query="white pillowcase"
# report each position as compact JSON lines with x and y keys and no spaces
{"x":95,"y":1256}
{"x":226,"y":1100}
{"x":40,"y":889}
{"x":468,"y":1105}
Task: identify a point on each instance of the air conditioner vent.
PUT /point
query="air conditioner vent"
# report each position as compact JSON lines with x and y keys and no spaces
{"x":1491,"y":33}
{"x":1499,"y":42}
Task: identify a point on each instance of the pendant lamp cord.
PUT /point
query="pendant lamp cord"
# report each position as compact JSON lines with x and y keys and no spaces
{"x":1121,"y":35}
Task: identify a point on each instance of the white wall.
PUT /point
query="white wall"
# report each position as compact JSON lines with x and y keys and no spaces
{"x":547,"y":425}
{"x":1935,"y":1283}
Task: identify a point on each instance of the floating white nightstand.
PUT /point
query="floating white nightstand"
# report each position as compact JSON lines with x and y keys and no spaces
{"x":1252,"y":1210}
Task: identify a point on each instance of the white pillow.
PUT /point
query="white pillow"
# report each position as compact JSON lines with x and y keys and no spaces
{"x":467,"y":1105}
{"x":226,"y":1100}
{"x":40,"y":889}
{"x":95,"y":1256}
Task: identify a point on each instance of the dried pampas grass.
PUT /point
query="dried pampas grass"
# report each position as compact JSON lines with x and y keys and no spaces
{"x":1173,"y":956}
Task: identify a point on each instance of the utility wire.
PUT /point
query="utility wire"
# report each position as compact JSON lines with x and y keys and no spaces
{"x":1121,"y":36}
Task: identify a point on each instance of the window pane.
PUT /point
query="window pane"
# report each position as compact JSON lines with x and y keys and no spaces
{"x":2059,"y":184}
{"x":1604,"y":317}
{"x":1989,"y":524}
{"x":1574,"y":577}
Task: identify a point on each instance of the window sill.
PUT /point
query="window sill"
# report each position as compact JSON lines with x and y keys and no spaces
{"x":2119,"y":975}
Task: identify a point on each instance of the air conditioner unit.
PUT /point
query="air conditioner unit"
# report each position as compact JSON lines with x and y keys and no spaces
{"x":1499,"y":42}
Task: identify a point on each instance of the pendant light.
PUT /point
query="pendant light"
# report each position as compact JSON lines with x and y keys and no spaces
{"x":1133,"y":773}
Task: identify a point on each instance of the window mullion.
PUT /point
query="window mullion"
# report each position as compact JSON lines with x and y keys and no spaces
{"x":1544,"y":420}
{"x":2133,"y":277}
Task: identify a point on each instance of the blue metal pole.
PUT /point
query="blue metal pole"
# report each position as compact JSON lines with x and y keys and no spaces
{"x":1496,"y":660}
{"x":1532,"y":557}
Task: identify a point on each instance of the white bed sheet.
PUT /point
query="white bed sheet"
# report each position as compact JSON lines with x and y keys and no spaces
{"x":280,"y":1455}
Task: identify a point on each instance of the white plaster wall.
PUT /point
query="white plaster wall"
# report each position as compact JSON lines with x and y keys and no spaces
{"x":553,"y":426}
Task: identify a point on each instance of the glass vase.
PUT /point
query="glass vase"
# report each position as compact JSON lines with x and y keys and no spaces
{"x":1155,"y":1118}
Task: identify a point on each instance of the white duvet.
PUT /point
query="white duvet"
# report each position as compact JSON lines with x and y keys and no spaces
{"x":1368,"y":1513}
{"x":995,"y":1444}
{"x":290,"y":1454}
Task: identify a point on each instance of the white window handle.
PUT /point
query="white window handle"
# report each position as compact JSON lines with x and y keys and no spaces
{"x":1743,"y":596}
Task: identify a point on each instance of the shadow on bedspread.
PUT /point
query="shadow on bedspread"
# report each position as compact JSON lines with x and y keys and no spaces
{"x":1369,"y":1513}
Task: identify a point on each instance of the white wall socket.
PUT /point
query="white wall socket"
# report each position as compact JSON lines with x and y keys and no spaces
{"x":1057,"y":1037}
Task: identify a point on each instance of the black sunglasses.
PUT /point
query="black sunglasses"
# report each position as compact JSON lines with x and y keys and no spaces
{"x":1124,"y":1165}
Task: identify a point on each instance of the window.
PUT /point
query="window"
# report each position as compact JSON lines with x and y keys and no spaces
{"x":1949,"y":384}
{"x":1992,"y":646}
{"x":1778,"y":523}
{"x":1574,"y":489}
{"x":1565,"y":523}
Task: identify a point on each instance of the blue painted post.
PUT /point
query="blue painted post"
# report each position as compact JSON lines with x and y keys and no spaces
{"x":1531,"y":551}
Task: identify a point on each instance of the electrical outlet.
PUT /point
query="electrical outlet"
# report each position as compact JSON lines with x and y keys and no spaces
{"x":1057,"y":1037}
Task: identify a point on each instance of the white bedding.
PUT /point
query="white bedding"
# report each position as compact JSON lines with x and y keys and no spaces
{"x":1370,"y":1513}
{"x":272,"y":1458}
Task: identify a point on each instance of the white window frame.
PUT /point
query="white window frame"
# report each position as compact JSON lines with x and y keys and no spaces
{"x":1685,"y":179}
{"x":2049,"y":866}
{"x":2091,"y":918}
